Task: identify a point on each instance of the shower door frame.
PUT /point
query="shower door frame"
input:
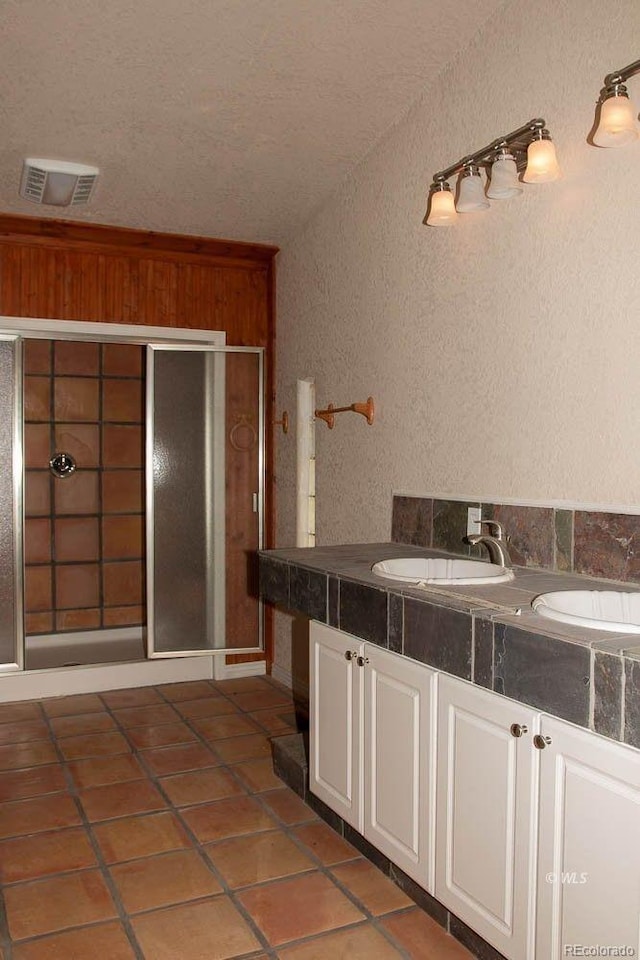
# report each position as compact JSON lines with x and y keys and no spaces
{"x":17,"y":482}
{"x":47,"y":328}
{"x":218,"y":576}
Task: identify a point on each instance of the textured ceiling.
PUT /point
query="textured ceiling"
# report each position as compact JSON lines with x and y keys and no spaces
{"x":227,"y":118}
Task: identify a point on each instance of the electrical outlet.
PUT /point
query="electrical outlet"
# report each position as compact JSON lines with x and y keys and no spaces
{"x":473,"y":515}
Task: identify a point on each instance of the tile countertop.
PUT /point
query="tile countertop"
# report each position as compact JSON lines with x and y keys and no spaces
{"x":494,"y":639}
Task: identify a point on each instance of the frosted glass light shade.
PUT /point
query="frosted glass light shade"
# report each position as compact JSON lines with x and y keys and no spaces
{"x":618,"y":124}
{"x":542,"y":163}
{"x":504,"y":179}
{"x":471,"y":197}
{"x":442,"y":212}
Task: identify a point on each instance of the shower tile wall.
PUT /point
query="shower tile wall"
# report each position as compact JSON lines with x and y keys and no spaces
{"x":84,"y":542}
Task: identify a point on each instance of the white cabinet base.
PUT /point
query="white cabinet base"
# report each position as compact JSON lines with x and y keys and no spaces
{"x":335,"y":722}
{"x":399,"y":801}
{"x":371,"y":745}
{"x":485,"y":833}
{"x":589,"y":863}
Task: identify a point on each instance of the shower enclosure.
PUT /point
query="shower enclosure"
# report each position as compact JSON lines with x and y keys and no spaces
{"x":133,"y":510}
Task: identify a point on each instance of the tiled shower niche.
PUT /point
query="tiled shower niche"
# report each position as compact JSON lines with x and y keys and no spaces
{"x":84,"y":535}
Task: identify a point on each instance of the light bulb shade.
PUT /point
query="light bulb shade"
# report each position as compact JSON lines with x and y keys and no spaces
{"x":471,"y":196}
{"x":617,"y":125}
{"x":504,"y":179}
{"x":442,"y":211}
{"x":542,"y":163}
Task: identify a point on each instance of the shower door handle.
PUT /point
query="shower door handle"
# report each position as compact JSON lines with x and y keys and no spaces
{"x":254,"y":502}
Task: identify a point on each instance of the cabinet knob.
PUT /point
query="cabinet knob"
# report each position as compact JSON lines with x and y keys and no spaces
{"x":362,"y":660}
{"x":518,"y":729}
{"x":541,"y":742}
{"x":349,"y":654}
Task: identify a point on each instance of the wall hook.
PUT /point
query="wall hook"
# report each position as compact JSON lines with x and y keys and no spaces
{"x":328,"y":415}
{"x":284,"y":422}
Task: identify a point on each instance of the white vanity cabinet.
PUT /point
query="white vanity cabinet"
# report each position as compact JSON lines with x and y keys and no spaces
{"x":526,"y":827}
{"x":335,"y":721}
{"x":372,"y":745}
{"x":589,"y":843}
{"x":485,"y":814}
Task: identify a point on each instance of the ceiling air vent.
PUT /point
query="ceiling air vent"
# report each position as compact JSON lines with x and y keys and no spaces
{"x":57,"y":182}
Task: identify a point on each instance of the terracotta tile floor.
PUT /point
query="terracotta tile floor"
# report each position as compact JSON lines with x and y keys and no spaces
{"x":147,"y":824}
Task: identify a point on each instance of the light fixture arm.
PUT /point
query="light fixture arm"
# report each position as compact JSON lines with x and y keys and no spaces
{"x":621,"y":76}
{"x":521,"y":137}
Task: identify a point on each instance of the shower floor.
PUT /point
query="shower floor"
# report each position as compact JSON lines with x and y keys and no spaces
{"x":82,"y":649}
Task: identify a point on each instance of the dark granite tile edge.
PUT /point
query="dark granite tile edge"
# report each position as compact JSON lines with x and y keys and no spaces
{"x":607,"y":695}
{"x":527,"y":669}
{"x":483,"y":652}
{"x":479,"y":661}
{"x":363,"y":611}
{"x":309,"y":592}
{"x":631,"y":669}
{"x":273,"y":581}
{"x":425,"y":626}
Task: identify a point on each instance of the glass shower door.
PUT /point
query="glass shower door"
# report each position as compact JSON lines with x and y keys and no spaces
{"x":11,"y":605}
{"x":204,"y":452}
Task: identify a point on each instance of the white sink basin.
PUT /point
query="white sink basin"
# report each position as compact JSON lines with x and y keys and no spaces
{"x":423,"y":570}
{"x":612,"y":610}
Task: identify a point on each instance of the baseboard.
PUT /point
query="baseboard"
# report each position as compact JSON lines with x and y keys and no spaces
{"x":300,"y":689}
{"x":232,"y":671}
{"x":63,"y":681}
{"x":282,"y":676}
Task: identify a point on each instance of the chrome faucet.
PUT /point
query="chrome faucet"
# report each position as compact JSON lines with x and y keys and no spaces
{"x":496,"y":542}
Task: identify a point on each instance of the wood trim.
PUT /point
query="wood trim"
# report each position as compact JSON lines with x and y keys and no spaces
{"x":127,"y":240}
{"x":78,"y":271}
{"x":270,"y":458}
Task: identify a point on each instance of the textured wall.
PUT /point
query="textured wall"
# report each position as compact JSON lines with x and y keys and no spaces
{"x":502,"y":354}
{"x":228,"y":118}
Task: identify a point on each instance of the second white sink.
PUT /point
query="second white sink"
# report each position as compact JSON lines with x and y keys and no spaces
{"x":436,"y":570}
{"x":614,"y":610}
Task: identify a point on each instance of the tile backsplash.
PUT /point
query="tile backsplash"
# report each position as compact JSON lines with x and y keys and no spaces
{"x":587,"y":542}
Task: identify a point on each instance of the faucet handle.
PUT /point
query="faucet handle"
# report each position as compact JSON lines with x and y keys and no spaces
{"x":496,"y":528}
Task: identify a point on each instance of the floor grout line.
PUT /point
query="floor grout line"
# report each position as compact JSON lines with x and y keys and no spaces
{"x":97,"y":851}
{"x":222,"y":764}
{"x":197,"y":846}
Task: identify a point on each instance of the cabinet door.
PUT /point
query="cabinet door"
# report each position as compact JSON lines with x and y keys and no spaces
{"x":398,"y":728}
{"x":589,"y":862}
{"x":485,"y":823}
{"x":335,"y":721}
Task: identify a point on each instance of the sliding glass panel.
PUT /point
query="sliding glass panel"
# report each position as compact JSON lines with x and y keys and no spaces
{"x":204,"y":452}
{"x":11,"y":629}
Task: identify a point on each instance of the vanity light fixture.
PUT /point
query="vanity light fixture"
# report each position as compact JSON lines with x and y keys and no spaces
{"x":542,"y":163}
{"x":528,"y":149}
{"x":504,"y":177}
{"x":471,"y":196}
{"x":616,"y":116}
{"x":442,"y":208}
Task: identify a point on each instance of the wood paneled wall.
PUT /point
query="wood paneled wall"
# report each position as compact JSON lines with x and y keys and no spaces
{"x":76,"y":271}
